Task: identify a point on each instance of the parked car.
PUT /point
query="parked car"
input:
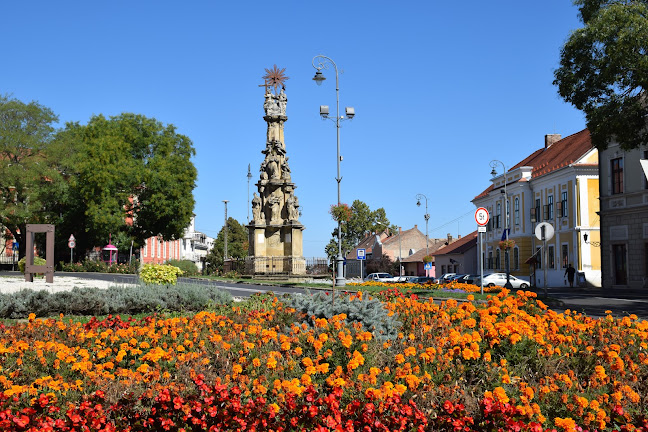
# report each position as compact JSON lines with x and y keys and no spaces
{"x":499,"y":279}
{"x":423,"y":280}
{"x":404,"y":279}
{"x":455,"y":278}
{"x":469,"y":279}
{"x":446,"y":277}
{"x":381,"y":277}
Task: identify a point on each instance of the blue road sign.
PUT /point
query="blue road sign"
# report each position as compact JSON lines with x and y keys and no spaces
{"x":15,"y":246}
{"x":362,"y":254}
{"x":428,"y":266}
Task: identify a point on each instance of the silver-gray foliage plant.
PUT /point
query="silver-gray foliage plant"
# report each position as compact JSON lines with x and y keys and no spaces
{"x":370,"y":312}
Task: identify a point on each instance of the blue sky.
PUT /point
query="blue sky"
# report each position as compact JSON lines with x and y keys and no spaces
{"x":439,"y":89}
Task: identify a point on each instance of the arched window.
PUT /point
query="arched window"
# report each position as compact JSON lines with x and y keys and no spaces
{"x":517,"y":211}
{"x":516,"y":258}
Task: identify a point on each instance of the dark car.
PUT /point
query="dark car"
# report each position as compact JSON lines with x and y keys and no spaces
{"x":422,"y":280}
{"x":469,"y":279}
{"x":456,"y":278}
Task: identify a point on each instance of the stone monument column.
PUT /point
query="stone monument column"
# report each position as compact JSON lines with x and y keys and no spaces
{"x":275,"y":233}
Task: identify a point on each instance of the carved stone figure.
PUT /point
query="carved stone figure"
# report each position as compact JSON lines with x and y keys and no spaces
{"x":273,"y":168}
{"x":285,"y":170}
{"x":293,"y":207}
{"x":282,"y":101}
{"x":270,"y":105}
{"x":256,"y":208}
{"x":275,"y":208}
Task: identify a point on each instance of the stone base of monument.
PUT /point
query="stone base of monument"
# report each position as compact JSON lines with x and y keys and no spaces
{"x":275,"y":265}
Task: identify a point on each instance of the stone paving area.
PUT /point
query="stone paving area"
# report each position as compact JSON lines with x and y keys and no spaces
{"x":9,"y":284}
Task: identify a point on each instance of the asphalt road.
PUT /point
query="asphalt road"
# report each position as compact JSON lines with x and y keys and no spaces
{"x":593,"y":301}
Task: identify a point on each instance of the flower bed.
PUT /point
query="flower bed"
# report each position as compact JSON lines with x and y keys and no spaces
{"x":509,"y":364}
{"x":469,"y":288}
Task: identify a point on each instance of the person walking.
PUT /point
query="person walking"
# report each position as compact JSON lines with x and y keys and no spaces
{"x":570,"y":272}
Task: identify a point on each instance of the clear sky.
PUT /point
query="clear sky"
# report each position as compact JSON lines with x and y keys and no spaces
{"x":439,"y":89}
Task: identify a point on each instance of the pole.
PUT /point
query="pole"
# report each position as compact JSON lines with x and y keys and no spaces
{"x":361,"y":272}
{"x":130,"y":258}
{"x":249,"y":177}
{"x":225,"y":251}
{"x":481,"y":258}
{"x":400,"y":254}
{"x":71,"y":249}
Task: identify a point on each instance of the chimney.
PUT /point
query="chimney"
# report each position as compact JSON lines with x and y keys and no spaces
{"x":459,"y":235}
{"x":551,"y":139}
{"x":449,"y":238}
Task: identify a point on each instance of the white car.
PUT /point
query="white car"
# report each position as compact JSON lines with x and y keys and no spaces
{"x":381,"y":277}
{"x":499,"y":279}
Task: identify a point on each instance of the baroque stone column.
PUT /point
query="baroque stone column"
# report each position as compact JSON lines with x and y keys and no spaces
{"x":275,"y":233}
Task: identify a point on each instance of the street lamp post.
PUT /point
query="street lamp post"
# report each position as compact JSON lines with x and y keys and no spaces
{"x":249,"y":177}
{"x":321,"y":62}
{"x":225,"y":251}
{"x":427,"y":218}
{"x":507,"y":225}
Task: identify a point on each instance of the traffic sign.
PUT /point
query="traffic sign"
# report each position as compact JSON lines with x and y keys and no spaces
{"x":71,"y":237}
{"x":71,"y":244}
{"x":361,"y":254}
{"x":427,"y":266}
{"x":544,"y":231}
{"x":481,"y":229}
{"x":15,"y":246}
{"x":481,"y":216}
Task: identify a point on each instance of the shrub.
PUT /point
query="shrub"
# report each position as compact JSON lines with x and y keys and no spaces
{"x":37,"y":261}
{"x":188,"y":267}
{"x":370,"y":312}
{"x":160,"y":274}
{"x":114,"y":300}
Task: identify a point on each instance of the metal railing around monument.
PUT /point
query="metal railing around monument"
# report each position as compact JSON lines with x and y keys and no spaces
{"x":282,"y":265}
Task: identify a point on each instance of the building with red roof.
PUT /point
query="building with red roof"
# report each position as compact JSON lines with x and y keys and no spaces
{"x":557,"y":184}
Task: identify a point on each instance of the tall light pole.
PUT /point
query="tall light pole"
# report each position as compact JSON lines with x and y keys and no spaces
{"x":225,"y":251}
{"x":427,"y":218}
{"x":507,"y":225}
{"x":249,"y":177}
{"x":321,"y":62}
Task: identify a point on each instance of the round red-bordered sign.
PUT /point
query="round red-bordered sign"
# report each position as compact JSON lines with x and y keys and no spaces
{"x":482,"y":216}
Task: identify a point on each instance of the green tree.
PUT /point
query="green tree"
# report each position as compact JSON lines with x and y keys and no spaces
{"x":604,"y":70}
{"x":363,"y":220}
{"x":237,"y":246}
{"x":127,"y":174}
{"x":28,"y":180}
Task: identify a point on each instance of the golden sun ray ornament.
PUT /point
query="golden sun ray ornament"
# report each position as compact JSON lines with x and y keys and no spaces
{"x":275,"y":77}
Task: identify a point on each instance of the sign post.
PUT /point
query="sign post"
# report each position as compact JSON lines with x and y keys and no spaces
{"x":71,"y":245}
{"x":481,"y":217}
{"x":544,"y":231}
{"x":361,"y":254}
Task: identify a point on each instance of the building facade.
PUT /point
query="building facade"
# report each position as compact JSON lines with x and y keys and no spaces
{"x":624,"y":218}
{"x":557,"y":184}
{"x":193,"y":246}
{"x":461,"y":256}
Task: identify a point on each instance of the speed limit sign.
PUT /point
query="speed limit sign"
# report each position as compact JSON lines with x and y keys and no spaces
{"x":482,"y":216}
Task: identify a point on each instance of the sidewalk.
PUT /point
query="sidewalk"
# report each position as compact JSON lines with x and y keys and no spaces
{"x":596,"y":301}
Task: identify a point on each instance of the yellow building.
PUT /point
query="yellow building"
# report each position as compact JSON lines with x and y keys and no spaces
{"x":557,"y":184}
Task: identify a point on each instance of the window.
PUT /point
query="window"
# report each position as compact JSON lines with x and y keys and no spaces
{"x":498,"y":216}
{"x":159,"y":249}
{"x":497,"y":259}
{"x":565,"y":255}
{"x":538,"y":256}
{"x":616,"y":169}
{"x":517,"y":211}
{"x":164,"y":249}
{"x":443,"y":270}
{"x":516,"y":258}
{"x":490,"y":259}
{"x":620,"y":264}
{"x":550,"y":209}
{"x":550,"y":257}
{"x":146,"y":248}
{"x":153,"y":247}
{"x":537,"y":210}
{"x":563,"y":205}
